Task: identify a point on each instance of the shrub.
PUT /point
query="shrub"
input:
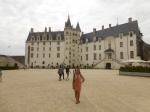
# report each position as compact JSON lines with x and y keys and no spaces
{"x":144,"y":69}
{"x":8,"y":67}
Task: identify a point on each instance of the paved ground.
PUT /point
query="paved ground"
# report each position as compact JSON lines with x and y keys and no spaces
{"x":103,"y":91}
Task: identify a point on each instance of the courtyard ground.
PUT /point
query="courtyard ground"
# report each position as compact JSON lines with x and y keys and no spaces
{"x":38,"y":90}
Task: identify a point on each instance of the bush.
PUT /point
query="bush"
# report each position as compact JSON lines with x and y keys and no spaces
{"x":8,"y":67}
{"x":144,"y":69}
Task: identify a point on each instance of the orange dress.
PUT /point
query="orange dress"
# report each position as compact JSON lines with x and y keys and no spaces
{"x":77,"y":83}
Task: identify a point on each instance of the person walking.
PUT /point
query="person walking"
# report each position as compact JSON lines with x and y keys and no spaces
{"x":78,"y":79}
{"x":60,"y":71}
{"x":63,"y":71}
{"x":67,"y":72}
{"x":0,"y":75}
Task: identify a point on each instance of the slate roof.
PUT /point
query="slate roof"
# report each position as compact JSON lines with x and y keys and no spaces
{"x":53,"y":34}
{"x":113,"y":31}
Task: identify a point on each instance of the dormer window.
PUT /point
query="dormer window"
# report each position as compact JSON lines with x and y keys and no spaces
{"x":86,"y":41}
{"x":38,"y":38}
{"x":44,"y":37}
{"x":59,"y":38}
{"x":32,"y":39}
{"x":131,"y":34}
{"x":121,"y":35}
{"x":94,"y":39}
{"x":99,"y":39}
{"x":50,"y":38}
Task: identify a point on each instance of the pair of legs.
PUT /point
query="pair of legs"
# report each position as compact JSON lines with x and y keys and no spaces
{"x":67,"y":76}
{"x":77,"y":96}
{"x":0,"y":78}
{"x":60,"y":77}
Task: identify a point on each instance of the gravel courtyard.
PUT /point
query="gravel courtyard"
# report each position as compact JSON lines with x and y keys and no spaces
{"x":38,"y":90}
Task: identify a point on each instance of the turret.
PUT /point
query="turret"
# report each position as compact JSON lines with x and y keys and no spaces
{"x":68,"y":23}
{"x":78,"y":27}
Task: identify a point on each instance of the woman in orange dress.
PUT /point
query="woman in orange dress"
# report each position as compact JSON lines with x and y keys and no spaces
{"x":78,"y":79}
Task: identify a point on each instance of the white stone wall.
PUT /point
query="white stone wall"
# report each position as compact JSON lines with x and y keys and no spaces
{"x":52,"y":60}
{"x":73,"y":50}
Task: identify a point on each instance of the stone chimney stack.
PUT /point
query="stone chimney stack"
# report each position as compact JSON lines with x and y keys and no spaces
{"x":94,"y":30}
{"x":130,"y":19}
{"x":103,"y":27}
{"x":45,"y":29}
{"x":32,"y":30}
{"x":109,"y":26}
{"x":49,"y":29}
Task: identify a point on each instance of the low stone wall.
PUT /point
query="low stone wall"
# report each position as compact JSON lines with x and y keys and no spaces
{"x":135,"y":74}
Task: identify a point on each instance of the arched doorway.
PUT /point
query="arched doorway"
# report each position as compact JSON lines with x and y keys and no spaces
{"x":108,"y":66}
{"x":15,"y":64}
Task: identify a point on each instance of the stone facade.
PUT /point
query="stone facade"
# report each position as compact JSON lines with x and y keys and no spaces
{"x":98,"y":49}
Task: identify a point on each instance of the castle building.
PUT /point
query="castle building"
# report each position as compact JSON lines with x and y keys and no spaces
{"x":104,"y":48}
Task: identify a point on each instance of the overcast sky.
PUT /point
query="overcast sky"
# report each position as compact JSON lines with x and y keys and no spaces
{"x":17,"y":17}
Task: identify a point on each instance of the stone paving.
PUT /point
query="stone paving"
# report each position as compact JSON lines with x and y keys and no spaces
{"x":38,"y":90}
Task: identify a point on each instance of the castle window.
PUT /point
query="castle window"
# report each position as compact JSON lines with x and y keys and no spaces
{"x":131,"y":43}
{"x":32,"y":55}
{"x":81,"y":58}
{"x":121,"y":35}
{"x":43,"y":62}
{"x":99,"y":47}
{"x":43,"y":55}
{"x":86,"y":56}
{"x":49,"y":55}
{"x":59,"y":38}
{"x":58,"y":55}
{"x":86,"y":49}
{"x":99,"y":56}
{"x":131,"y":34}
{"x":109,"y":56}
{"x":94,"y":47}
{"x":131,"y":54}
{"x":37,"y":55}
{"x":109,"y":46}
{"x":58,"y":48}
{"x":32,"y":48}
{"x":121,"y":55}
{"x":95,"y":56}
{"x":121,"y":44}
{"x":32,"y":43}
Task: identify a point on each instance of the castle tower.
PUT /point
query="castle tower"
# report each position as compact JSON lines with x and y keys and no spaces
{"x":72,"y":38}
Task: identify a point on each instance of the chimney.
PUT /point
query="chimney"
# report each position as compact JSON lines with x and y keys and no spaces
{"x":130,"y":19}
{"x":94,"y":30}
{"x":109,"y":26}
{"x":32,"y":30}
{"x":45,"y":29}
{"x":49,"y":29}
{"x":103,"y":27}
